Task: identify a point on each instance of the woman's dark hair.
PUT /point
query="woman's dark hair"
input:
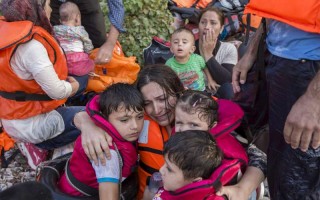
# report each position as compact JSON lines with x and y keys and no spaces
{"x":191,"y":101}
{"x":195,"y":152}
{"x":30,"y":10}
{"x":213,"y":9}
{"x":120,"y":94}
{"x":163,"y":75}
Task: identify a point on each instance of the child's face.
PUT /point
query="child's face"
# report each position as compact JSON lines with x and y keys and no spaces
{"x":182,"y":44}
{"x":187,"y":121}
{"x":172,"y":176}
{"x":127,"y":122}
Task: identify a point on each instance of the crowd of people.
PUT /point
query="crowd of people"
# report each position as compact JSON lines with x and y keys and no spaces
{"x":168,"y":121}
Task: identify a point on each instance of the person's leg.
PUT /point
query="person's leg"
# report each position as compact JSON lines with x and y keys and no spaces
{"x":55,"y":18}
{"x":70,"y":132}
{"x":292,"y":174}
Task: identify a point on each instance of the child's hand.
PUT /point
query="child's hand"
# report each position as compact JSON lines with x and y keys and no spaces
{"x":213,"y":85}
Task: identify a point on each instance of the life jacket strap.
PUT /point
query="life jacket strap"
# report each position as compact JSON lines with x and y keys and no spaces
{"x":22,"y":96}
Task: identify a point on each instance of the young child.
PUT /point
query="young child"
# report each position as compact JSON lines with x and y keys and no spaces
{"x":197,"y":112}
{"x":190,"y":67}
{"x":119,"y":111}
{"x":74,"y":40}
{"x":190,"y":156}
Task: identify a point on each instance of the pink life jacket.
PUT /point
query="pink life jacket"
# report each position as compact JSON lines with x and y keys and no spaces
{"x":235,"y":158}
{"x":128,"y":150}
{"x":80,"y":167}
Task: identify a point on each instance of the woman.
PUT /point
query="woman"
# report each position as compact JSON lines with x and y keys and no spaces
{"x":220,"y":57}
{"x":34,"y":71}
{"x":159,"y":86}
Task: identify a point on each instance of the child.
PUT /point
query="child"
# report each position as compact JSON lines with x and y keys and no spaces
{"x":74,"y":40}
{"x":196,"y":110}
{"x":190,"y":67}
{"x":190,"y":156}
{"x":119,"y":111}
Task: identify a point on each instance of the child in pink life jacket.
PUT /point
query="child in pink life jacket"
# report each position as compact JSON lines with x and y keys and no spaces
{"x":196,"y":110}
{"x":119,"y":111}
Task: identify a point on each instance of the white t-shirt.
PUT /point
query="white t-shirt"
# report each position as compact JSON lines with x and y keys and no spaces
{"x":110,"y":172}
{"x":227,"y":54}
{"x":30,"y":61}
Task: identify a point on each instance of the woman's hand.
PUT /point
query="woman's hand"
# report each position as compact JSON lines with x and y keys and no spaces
{"x":95,"y":141}
{"x":74,"y":85}
{"x":207,"y":44}
{"x":233,"y":192}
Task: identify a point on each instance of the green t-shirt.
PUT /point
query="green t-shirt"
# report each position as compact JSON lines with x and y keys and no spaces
{"x":190,"y":73}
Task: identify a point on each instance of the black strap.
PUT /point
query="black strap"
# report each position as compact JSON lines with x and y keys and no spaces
{"x":78,"y":185}
{"x":156,"y":151}
{"x":147,"y":168}
{"x":22,"y":96}
{"x":195,"y":4}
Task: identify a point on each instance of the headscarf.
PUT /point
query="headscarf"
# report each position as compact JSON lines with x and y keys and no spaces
{"x":31,"y":10}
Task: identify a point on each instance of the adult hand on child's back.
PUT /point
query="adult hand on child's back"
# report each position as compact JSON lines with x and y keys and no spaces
{"x":95,"y":141}
{"x":233,"y":192}
{"x":302,"y":128}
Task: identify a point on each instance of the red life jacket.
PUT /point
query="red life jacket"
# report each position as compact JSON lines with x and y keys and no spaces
{"x":235,"y":158}
{"x":304,"y":15}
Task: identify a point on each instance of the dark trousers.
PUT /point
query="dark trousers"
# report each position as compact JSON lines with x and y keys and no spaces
{"x":91,"y":18}
{"x":292,"y":174}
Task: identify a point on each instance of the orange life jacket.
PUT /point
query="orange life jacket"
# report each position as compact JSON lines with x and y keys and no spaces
{"x":191,"y":3}
{"x":120,"y":69}
{"x":151,"y":156}
{"x":12,"y":35}
{"x":304,"y":15}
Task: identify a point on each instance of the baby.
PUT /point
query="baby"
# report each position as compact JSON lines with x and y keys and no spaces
{"x":74,"y":40}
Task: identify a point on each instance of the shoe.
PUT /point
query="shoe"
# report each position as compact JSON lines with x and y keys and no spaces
{"x":62,"y":151}
{"x":33,"y":154}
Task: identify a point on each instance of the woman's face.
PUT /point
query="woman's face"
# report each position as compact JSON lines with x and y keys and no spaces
{"x":210,"y":22}
{"x":47,"y":9}
{"x":158,"y":104}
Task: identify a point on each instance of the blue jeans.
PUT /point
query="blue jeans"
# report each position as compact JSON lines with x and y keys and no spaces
{"x":70,"y":132}
{"x":292,"y":174}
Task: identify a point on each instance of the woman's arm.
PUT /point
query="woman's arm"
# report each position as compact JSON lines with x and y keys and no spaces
{"x":95,"y":141}
{"x":252,"y":178}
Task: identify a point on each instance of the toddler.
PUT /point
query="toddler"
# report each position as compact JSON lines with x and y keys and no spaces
{"x":190,"y":67}
{"x":190,"y":156}
{"x":119,"y":111}
{"x":74,"y":40}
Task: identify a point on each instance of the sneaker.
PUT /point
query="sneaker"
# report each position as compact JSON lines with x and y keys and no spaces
{"x":33,"y":154}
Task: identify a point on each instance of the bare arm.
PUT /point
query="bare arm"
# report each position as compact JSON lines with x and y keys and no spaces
{"x":105,"y":52}
{"x":247,"y":184}
{"x":108,"y":191}
{"x":302,"y":128}
{"x":212,"y":84}
{"x":95,"y":141}
{"x":240,"y":70}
